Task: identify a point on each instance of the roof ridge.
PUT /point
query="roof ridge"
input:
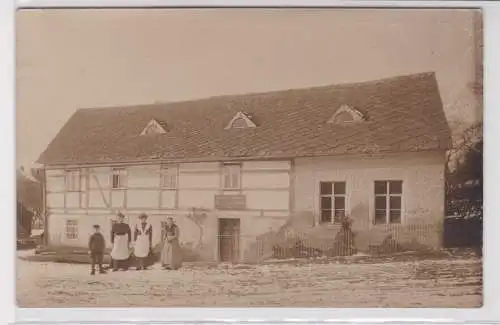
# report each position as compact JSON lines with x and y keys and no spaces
{"x":263,"y":93}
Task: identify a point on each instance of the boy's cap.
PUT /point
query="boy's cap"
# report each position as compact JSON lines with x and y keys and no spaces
{"x":96,"y":226}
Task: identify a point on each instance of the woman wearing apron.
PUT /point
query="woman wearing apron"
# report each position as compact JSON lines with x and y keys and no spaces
{"x":143,"y":237}
{"x":171,"y":258}
{"x":120,"y":238}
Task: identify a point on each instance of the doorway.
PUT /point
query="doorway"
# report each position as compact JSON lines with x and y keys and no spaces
{"x":229,"y":240}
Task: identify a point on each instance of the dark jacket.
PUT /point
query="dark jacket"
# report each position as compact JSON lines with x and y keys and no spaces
{"x":121,"y":229}
{"x":97,"y":244}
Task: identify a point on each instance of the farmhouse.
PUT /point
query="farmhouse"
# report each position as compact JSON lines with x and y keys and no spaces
{"x":232,"y":169}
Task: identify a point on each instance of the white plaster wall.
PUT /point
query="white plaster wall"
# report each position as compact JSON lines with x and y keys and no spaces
{"x":207,"y":180}
{"x":143,"y":198}
{"x":147,"y":176}
{"x":267,"y":165}
{"x":267,"y":199}
{"x":264,"y":183}
{"x":55,"y":182}
{"x":100,"y":178}
{"x":55,"y":200}
{"x":98,"y":198}
{"x":265,"y":180}
{"x":422,"y":175}
{"x":168,"y":199}
{"x":197,"y":198}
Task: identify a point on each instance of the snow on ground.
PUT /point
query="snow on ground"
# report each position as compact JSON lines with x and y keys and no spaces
{"x":429,"y":283}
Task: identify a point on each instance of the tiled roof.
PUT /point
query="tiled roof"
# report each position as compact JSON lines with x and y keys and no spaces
{"x":402,"y":114}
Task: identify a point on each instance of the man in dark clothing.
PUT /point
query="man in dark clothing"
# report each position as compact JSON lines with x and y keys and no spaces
{"x":97,"y":244}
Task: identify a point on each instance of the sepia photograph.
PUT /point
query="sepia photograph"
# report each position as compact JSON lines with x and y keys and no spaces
{"x":249,"y":157}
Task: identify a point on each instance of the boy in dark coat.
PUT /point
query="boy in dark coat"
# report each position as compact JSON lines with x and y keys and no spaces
{"x":97,"y":244}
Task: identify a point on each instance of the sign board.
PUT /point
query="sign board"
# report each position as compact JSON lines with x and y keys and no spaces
{"x":230,"y":202}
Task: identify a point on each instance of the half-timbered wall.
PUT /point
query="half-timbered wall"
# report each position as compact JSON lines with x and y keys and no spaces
{"x":259,"y":189}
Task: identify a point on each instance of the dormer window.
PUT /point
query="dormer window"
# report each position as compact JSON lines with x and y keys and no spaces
{"x":241,"y":121}
{"x":346,"y":114}
{"x":153,"y":127}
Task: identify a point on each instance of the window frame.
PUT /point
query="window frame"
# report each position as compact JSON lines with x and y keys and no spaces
{"x":71,"y":224}
{"x":332,"y":198}
{"x":234,"y":124}
{"x":228,"y":167}
{"x":70,"y":175}
{"x":388,"y":195}
{"x":121,"y":174}
{"x":168,"y":172}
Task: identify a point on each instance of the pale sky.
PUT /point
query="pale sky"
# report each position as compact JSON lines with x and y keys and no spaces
{"x":80,"y":58}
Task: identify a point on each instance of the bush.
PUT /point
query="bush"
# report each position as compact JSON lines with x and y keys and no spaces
{"x":343,"y":244}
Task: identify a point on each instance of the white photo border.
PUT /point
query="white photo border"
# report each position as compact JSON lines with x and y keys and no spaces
{"x":491,"y":309}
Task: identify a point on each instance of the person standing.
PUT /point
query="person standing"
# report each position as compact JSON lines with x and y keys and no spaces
{"x":143,"y":237}
{"x":121,"y":238}
{"x":171,"y":256}
{"x":97,"y":244}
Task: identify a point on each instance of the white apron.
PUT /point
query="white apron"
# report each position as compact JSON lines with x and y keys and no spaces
{"x":120,"y":248}
{"x":142,"y":247}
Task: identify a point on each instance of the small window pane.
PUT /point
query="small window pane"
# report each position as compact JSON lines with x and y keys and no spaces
{"x":236,"y":180}
{"x":227,"y":181}
{"x":344,"y":117}
{"x":380,"y":203}
{"x":239,"y":123}
{"x":326,"y":215}
{"x":380,"y":217}
{"x":325,"y":188}
{"x":326,"y":203}
{"x":395,"y":202}
{"x":380,"y":187}
{"x":395,"y":216}
{"x":339,"y":202}
{"x":169,"y":177}
{"x":231,"y":176}
{"x":339,"y":187}
{"x":116,"y":181}
{"x":396,"y":187}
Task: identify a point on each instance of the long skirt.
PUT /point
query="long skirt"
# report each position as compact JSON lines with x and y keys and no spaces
{"x":120,"y":250}
{"x":171,"y":256}
{"x":142,"y":247}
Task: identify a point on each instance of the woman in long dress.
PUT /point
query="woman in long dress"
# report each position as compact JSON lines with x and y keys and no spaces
{"x":121,"y":238}
{"x":143,"y":237}
{"x":171,"y":256}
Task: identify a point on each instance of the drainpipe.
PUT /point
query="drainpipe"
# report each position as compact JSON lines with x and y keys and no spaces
{"x":44,"y":209}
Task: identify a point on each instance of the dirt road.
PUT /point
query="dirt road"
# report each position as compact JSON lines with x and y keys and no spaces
{"x":427,"y":283}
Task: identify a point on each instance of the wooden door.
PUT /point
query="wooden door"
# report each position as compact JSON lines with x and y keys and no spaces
{"x":229,"y":240}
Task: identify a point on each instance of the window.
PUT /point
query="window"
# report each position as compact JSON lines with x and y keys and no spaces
{"x":388,"y":196}
{"x":332,"y":201}
{"x":153,"y":127}
{"x":169,"y":177}
{"x":73,"y":180}
{"x":119,"y":178}
{"x":231,"y":176}
{"x":71,"y":229}
{"x":343,"y":117}
{"x":241,"y":121}
{"x":346,"y":114}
